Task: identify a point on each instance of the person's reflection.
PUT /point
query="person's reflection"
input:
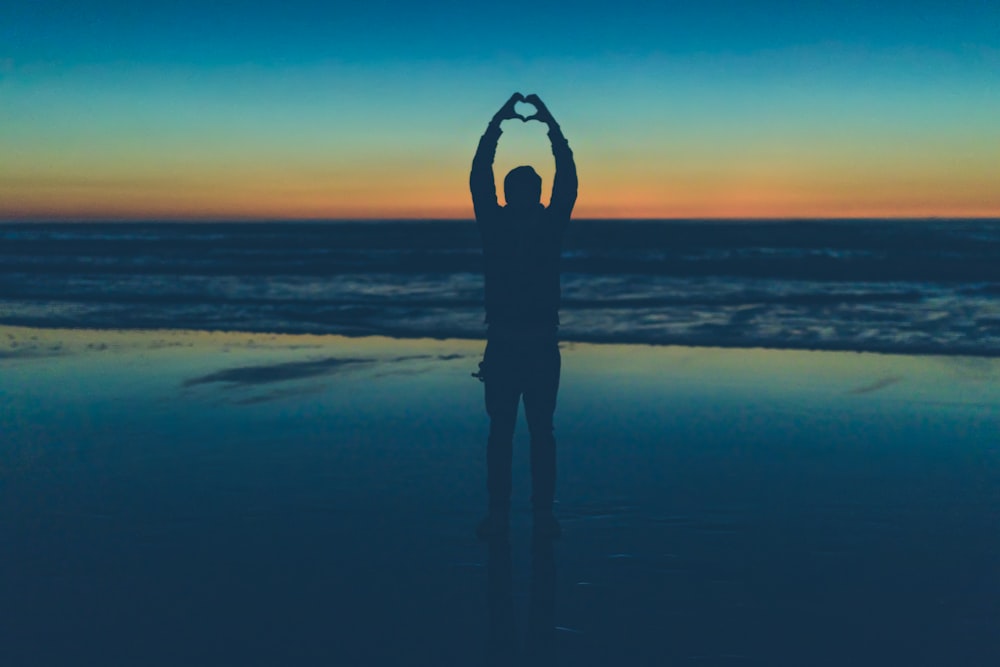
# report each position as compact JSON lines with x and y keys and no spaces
{"x":501,"y":641}
{"x":502,"y":645}
{"x":542,"y":610}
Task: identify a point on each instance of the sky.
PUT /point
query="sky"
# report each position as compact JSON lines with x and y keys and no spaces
{"x":119,"y":110}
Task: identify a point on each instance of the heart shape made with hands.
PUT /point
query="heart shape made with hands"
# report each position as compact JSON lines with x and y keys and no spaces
{"x":525,"y":110}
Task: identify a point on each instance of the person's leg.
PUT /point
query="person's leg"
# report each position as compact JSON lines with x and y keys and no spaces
{"x":540,"y":390}
{"x":502,"y":397}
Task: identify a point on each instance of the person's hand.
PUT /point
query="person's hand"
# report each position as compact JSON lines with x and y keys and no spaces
{"x":542,"y":112}
{"x":507,"y":110}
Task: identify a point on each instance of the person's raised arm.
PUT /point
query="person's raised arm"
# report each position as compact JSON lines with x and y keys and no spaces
{"x":564,"y":185}
{"x":481,"y":181}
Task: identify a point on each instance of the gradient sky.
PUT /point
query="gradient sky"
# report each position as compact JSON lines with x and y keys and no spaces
{"x":268,"y":109}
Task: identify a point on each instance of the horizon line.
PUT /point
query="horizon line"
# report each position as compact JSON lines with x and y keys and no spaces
{"x":266,"y":220}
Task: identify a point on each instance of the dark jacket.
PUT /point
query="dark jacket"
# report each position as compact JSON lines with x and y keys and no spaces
{"x":521,"y":248}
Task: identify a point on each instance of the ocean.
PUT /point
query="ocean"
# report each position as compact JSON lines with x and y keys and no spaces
{"x":899,"y":286}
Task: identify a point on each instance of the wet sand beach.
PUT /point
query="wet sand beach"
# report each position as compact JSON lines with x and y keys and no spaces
{"x":198,"y":498}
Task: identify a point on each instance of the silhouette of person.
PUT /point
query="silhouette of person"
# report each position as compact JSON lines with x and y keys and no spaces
{"x":521,"y":247}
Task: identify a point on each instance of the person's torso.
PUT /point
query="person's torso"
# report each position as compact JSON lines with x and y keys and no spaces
{"x":521,"y":265}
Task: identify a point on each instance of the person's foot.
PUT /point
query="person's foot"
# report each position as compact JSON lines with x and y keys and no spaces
{"x":493,"y":526}
{"x":547,"y":525}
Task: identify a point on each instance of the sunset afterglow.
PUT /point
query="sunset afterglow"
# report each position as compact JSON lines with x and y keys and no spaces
{"x":183,"y":111}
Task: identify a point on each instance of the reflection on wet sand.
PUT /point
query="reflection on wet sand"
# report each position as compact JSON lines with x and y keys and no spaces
{"x":722,"y":506}
{"x":539,"y":647}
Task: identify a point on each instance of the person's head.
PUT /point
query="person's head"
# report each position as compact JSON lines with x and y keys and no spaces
{"x":522,"y":188}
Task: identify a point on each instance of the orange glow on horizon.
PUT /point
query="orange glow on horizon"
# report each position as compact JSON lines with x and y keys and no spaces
{"x":319,"y":210}
{"x":431,"y":195}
